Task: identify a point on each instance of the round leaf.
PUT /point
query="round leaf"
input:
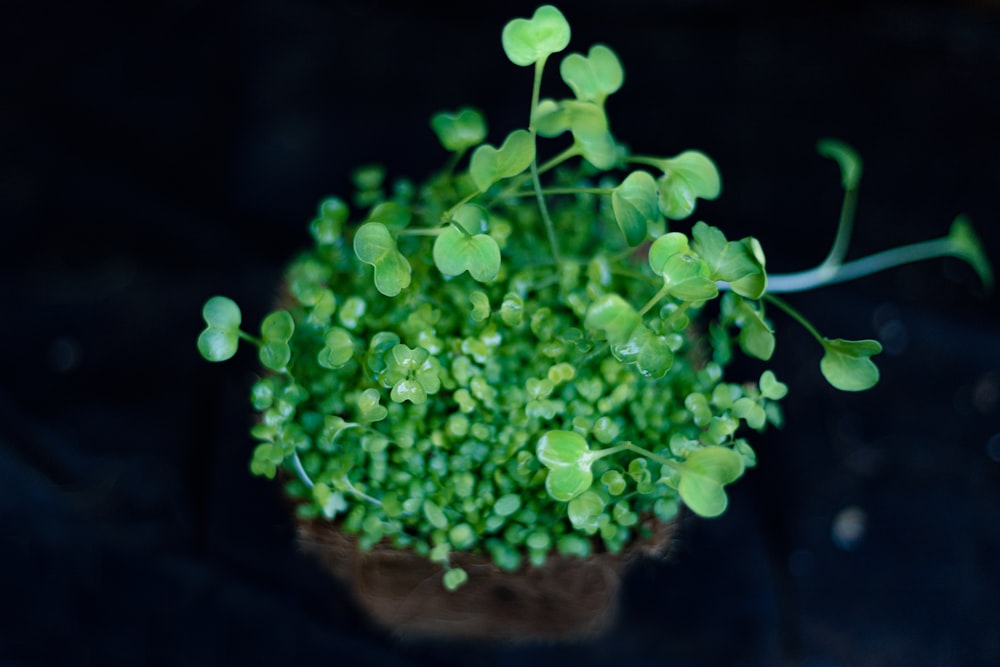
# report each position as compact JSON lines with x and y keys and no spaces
{"x":565,"y":484}
{"x":526,"y":41}
{"x":216,"y":344}
{"x":222,"y":313}
{"x":562,"y":448}
{"x":635,"y":206}
{"x":614,"y":317}
{"x":277,"y":327}
{"x":847,"y":364}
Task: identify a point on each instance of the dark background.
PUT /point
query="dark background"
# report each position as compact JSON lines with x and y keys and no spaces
{"x":155,"y":155}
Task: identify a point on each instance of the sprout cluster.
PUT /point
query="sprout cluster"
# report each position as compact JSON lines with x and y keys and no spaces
{"x":486,"y":362}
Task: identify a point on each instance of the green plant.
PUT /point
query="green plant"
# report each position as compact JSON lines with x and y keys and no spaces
{"x":489,"y":362}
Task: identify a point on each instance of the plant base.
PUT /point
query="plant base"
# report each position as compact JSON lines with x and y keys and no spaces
{"x":567,"y":598}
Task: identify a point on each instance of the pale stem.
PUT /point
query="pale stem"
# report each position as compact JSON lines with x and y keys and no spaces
{"x":550,"y":229}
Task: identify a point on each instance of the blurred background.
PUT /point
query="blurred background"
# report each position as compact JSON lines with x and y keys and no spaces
{"x":155,"y":154}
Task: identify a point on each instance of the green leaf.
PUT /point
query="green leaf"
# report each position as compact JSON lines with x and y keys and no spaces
{"x":585,"y":510}
{"x":218,"y":344}
{"x":459,"y":130}
{"x":847,"y":158}
{"x":703,"y":476}
{"x":847,"y":364}
{"x":771,"y":388}
{"x":434,"y":515}
{"x":568,"y":459}
{"x":687,"y":177}
{"x":374,"y":245}
{"x":454,"y":578}
{"x":507,"y":504}
{"x":489,"y":165}
{"x":635,"y":206}
{"x":222,"y":312}
{"x":327,"y":225}
{"x":687,"y":277}
{"x":756,"y":338}
{"x":277,"y":327}
{"x":220,"y":339}
{"x":589,"y":125}
{"x":665,"y":247}
{"x":369,"y":409}
{"x":458,"y":248}
{"x":739,"y":263}
{"x":480,"y":306}
{"x":338,"y":349}
{"x":551,"y":118}
{"x":394,"y":216}
{"x":595,"y":76}
{"x":526,"y":41}
{"x":967,"y":246}
{"x":614,"y":317}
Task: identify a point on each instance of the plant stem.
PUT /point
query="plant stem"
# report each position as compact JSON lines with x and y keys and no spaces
{"x":650,"y":455}
{"x":796,"y":315}
{"x":825,"y":274}
{"x":550,"y":229}
{"x":564,"y":191}
{"x":844,"y":228}
{"x":250,"y":339}
{"x":656,"y":299}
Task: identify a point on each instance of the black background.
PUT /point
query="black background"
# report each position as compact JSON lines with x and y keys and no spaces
{"x":156,"y":154}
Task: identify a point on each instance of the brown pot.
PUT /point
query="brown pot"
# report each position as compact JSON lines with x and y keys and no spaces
{"x":566,"y":598}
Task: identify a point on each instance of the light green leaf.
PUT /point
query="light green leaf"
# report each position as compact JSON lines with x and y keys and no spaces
{"x":375,"y":245}
{"x":222,"y":312}
{"x":688,"y":278}
{"x":459,"y":130}
{"x":369,"y":409}
{"x":394,"y":216}
{"x":566,"y":455}
{"x":847,"y":364}
{"x":458,"y":248}
{"x":489,"y":165}
{"x":756,"y":338}
{"x":589,"y":125}
{"x":847,"y":158}
{"x":687,"y":177}
{"x":771,"y":388}
{"x":454,"y":578}
{"x":665,"y":247}
{"x":585,"y":510}
{"x":739,"y":263}
{"x":595,"y":76}
{"x":277,"y":327}
{"x":703,"y":476}
{"x":635,"y":206}
{"x":614,"y":317}
{"x":338,"y":349}
{"x":551,"y":118}
{"x":217,"y":344}
{"x":526,"y":41}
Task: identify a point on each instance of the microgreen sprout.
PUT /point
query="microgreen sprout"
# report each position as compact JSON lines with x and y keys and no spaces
{"x":493,"y":363}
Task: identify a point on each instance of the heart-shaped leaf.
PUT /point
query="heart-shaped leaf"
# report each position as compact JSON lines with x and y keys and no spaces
{"x":459,"y":130}
{"x":369,"y":409}
{"x":221,"y":337}
{"x":551,"y":118}
{"x":635,"y":206}
{"x":847,"y":158}
{"x":276,"y":330}
{"x":526,"y":41}
{"x":686,"y":177}
{"x":688,"y":278}
{"x":589,"y":125}
{"x":338,"y":349}
{"x":375,"y":245}
{"x":847,"y":364}
{"x":595,"y":76}
{"x":327,"y":225}
{"x":566,"y":455}
{"x":585,"y":511}
{"x":456,"y":251}
{"x":703,"y":476}
{"x":489,"y":165}
{"x":771,"y":387}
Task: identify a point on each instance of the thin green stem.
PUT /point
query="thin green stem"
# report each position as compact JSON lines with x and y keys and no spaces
{"x":650,"y":455}
{"x":447,"y":215}
{"x":655,"y":300}
{"x":648,"y":160}
{"x":435,"y":231}
{"x":250,"y":339}
{"x":795,"y":315}
{"x":845,"y":227}
{"x":550,"y":229}
{"x":564,"y":191}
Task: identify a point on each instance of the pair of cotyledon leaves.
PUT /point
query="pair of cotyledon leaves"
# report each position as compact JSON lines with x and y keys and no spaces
{"x":220,"y":338}
{"x":700,"y":478}
{"x":461,"y":246}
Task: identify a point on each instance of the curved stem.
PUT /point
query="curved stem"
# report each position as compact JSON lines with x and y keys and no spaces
{"x":795,"y":315}
{"x":825,"y":274}
{"x":655,"y":300}
{"x":300,"y":471}
{"x":845,"y":226}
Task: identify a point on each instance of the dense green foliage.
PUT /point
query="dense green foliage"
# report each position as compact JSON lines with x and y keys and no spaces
{"x":485,"y":362}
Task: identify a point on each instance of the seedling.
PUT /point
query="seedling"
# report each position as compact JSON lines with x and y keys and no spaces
{"x":514,"y":357}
